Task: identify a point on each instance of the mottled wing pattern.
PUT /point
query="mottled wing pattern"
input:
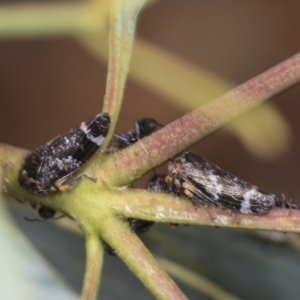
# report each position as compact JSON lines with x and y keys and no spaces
{"x":212,"y":181}
{"x":91,"y":137}
{"x":208,"y":183}
{"x":57,"y":157}
{"x":61,"y":157}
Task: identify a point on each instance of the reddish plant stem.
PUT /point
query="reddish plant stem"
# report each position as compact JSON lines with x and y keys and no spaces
{"x":182,"y":133}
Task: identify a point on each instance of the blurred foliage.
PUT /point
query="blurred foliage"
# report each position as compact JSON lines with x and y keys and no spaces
{"x":24,"y":273}
{"x":183,"y":84}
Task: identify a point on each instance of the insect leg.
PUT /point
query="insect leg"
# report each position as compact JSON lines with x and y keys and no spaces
{"x":34,"y":220}
{"x":194,"y":194}
{"x":190,"y":192}
{"x":62,"y":185}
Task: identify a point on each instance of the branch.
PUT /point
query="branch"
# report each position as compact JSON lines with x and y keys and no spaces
{"x":123,"y":18}
{"x":82,"y":204}
{"x":94,"y":263}
{"x":140,"y":261}
{"x":182,"y":133}
{"x":166,"y":208}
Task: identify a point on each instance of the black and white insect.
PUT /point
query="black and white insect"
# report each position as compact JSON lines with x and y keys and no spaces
{"x":205,"y":183}
{"x":49,"y":167}
{"x":142,"y":128}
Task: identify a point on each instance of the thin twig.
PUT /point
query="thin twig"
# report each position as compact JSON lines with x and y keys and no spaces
{"x":94,"y":263}
{"x":140,"y":261}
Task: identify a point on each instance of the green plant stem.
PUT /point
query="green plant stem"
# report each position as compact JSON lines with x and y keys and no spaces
{"x":46,"y":20}
{"x":123,"y":18}
{"x":94,"y":263}
{"x":140,"y":261}
{"x":81,"y":203}
{"x":165,"y":208}
{"x":97,"y":210}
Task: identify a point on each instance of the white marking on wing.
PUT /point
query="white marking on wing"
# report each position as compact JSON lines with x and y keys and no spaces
{"x":246,"y":204}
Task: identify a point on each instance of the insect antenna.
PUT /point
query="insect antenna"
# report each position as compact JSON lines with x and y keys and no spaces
{"x":34,"y":220}
{"x":44,"y":219}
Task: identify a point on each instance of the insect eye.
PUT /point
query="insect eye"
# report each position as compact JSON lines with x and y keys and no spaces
{"x":151,"y":124}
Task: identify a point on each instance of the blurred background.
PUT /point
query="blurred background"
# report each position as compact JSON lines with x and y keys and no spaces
{"x":51,"y":83}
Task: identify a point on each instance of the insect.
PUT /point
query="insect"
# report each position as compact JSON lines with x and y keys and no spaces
{"x":157,"y":184}
{"x":142,"y":128}
{"x":164,"y":184}
{"x":161,"y":184}
{"x":49,"y":167}
{"x":205,"y":183}
{"x":45,"y":213}
{"x":284,"y":202}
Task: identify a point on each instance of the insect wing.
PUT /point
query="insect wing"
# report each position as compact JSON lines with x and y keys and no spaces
{"x":212,"y":191}
{"x":208,"y":182}
{"x":62,"y":156}
{"x":91,"y":137}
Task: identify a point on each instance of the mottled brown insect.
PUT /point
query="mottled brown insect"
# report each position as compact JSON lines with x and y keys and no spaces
{"x":205,"y":183}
